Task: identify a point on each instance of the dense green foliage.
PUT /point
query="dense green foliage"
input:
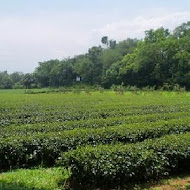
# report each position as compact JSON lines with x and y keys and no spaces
{"x":121,"y":164}
{"x":95,"y":133}
{"x":159,"y":60}
{"x":44,"y":148}
{"x":188,"y":187}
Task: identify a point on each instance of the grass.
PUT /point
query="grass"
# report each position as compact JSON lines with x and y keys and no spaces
{"x":55,"y":179}
{"x":30,"y":179}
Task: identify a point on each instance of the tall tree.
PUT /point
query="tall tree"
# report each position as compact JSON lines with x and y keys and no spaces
{"x":104,"y":40}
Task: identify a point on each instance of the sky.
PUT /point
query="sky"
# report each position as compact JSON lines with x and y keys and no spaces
{"x":40,"y":30}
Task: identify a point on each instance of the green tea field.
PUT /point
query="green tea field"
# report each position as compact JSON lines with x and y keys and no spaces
{"x":81,"y":140}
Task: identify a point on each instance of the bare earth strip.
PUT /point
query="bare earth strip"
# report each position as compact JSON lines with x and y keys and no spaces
{"x":173,"y":184}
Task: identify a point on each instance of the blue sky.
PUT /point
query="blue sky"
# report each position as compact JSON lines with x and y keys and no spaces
{"x":38,"y":30}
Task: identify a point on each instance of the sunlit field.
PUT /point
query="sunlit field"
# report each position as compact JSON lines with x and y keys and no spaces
{"x":92,"y":139}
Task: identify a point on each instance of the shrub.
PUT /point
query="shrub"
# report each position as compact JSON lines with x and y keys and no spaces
{"x":108,"y":165}
{"x":44,"y":148}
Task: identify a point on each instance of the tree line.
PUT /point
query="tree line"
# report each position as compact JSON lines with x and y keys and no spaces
{"x":161,"y":57}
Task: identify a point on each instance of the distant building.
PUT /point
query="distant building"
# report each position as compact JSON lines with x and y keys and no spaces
{"x":78,"y":78}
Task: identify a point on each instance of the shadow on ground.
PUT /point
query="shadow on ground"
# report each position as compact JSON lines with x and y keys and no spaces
{"x":14,"y":186}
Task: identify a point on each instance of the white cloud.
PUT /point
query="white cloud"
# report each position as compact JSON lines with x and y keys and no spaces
{"x":26,"y":41}
{"x":136,"y":27}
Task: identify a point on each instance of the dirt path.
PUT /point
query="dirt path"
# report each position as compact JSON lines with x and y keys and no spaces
{"x":173,"y":184}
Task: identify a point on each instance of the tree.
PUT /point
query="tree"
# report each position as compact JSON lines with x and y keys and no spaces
{"x":27,"y":80}
{"x":161,"y":57}
{"x":152,"y":36}
{"x":5,"y":80}
{"x":84,"y":68}
{"x":110,"y":56}
{"x":16,"y":77}
{"x":108,"y":43}
{"x":112,"y":44}
{"x":182,"y":30}
{"x":42,"y":72}
{"x":104,"y":40}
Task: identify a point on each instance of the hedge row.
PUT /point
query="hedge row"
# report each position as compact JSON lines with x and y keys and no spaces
{"x":61,"y":114}
{"x":44,"y":149}
{"x":93,"y":123}
{"x":119,"y":165}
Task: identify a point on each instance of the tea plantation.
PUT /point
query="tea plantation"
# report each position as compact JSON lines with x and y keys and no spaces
{"x":91,"y":140}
